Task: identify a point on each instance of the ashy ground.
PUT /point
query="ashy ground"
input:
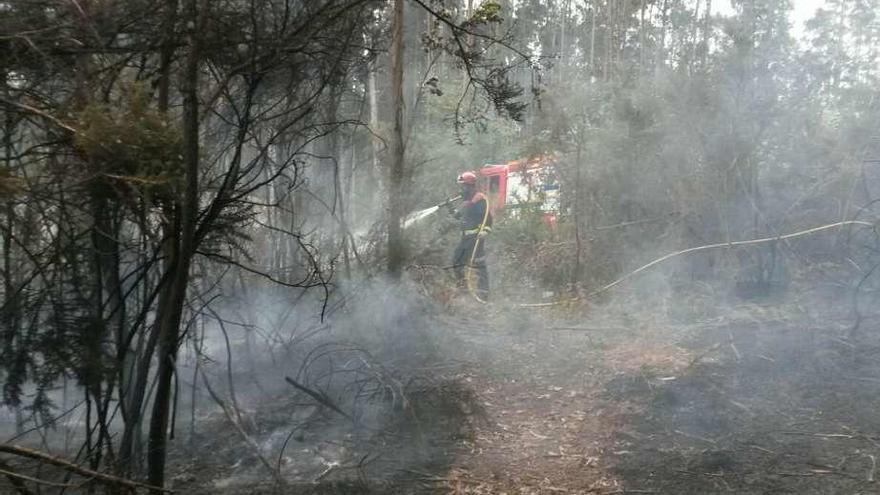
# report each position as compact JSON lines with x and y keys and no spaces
{"x":673,"y":396}
{"x":676,"y":395}
{"x":761,"y":398}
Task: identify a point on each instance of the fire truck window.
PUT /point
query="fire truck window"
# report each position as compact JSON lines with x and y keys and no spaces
{"x":494,"y":184}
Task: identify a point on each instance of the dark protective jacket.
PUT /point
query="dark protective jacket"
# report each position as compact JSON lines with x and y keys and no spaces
{"x":471,"y":214}
{"x":471,"y":251}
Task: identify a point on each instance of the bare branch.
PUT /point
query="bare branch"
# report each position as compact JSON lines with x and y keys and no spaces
{"x":57,"y":461}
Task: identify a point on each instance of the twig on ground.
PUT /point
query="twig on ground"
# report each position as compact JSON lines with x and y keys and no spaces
{"x":542,"y":437}
{"x":800,"y":475}
{"x":736,"y":352}
{"x":692,"y":473}
{"x":844,"y":436}
{"x":575,"y":329}
{"x":624,"y":491}
{"x":762,"y":449}
{"x":699,"y":357}
{"x":741,"y":406}
{"x":330,"y":467}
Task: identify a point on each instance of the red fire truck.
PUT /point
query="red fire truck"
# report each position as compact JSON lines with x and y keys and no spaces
{"x":528,"y":182}
{"x":512,"y":186}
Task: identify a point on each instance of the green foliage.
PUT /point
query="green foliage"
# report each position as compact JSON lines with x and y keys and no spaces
{"x":440,"y":154}
{"x":532,"y":255}
{"x":488,"y":12}
{"x":134,"y":146}
{"x":505,"y":95}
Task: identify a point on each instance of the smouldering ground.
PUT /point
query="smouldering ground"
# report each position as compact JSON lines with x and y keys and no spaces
{"x":542,"y":384}
{"x":762,"y":397}
{"x":758,"y":399}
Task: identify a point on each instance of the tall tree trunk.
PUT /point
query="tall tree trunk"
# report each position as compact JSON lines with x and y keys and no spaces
{"x":692,"y":59}
{"x":578,"y":192}
{"x":101,"y":264}
{"x":609,"y":39}
{"x":376,"y":144}
{"x":642,"y":36}
{"x":593,"y":39}
{"x":706,"y":35}
{"x":10,"y":317}
{"x":661,"y":46}
{"x":107,"y":311}
{"x":169,"y":316}
{"x":396,"y":170}
{"x":340,"y":205}
{"x":563,"y":40}
{"x":135,"y":370}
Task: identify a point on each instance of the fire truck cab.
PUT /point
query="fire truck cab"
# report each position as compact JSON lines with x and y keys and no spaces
{"x":517,"y":184}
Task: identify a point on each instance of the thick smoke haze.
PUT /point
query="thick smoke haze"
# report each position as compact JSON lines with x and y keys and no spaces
{"x":447,"y":246}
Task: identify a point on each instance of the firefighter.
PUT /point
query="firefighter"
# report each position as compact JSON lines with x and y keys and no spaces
{"x":476,"y":223}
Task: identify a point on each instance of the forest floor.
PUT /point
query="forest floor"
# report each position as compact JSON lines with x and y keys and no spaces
{"x":680,"y":395}
{"x":762,"y":399}
{"x":695,"y":397}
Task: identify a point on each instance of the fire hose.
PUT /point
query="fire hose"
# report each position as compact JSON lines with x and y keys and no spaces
{"x":469,"y":279}
{"x":657,"y":261}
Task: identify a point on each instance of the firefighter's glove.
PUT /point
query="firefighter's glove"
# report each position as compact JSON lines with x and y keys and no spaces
{"x":482,"y":233}
{"x":450,"y":208}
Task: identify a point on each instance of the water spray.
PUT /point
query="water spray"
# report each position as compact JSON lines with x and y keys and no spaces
{"x":420,"y":215}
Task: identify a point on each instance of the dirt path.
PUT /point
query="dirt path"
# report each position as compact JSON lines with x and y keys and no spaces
{"x":547,"y":426}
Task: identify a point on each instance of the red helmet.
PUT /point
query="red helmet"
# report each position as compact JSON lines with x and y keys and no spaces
{"x":467,"y":178}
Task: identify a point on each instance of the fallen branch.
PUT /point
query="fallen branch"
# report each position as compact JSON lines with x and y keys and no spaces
{"x":844,"y":436}
{"x":319,"y":397}
{"x":798,"y":475}
{"x":616,"y":492}
{"x":330,"y":467}
{"x":762,"y":449}
{"x":57,"y":461}
{"x":588,"y":329}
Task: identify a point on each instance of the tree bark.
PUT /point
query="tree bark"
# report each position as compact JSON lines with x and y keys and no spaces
{"x":593,"y":39}
{"x":136,"y":366}
{"x":609,"y":39}
{"x":10,"y":315}
{"x":169,"y":315}
{"x":396,"y":170}
{"x":642,"y":36}
{"x":706,"y":35}
{"x":373,"y":95}
{"x":661,"y":46}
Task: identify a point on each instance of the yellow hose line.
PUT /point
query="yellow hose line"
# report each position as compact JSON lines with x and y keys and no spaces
{"x":469,"y":268}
